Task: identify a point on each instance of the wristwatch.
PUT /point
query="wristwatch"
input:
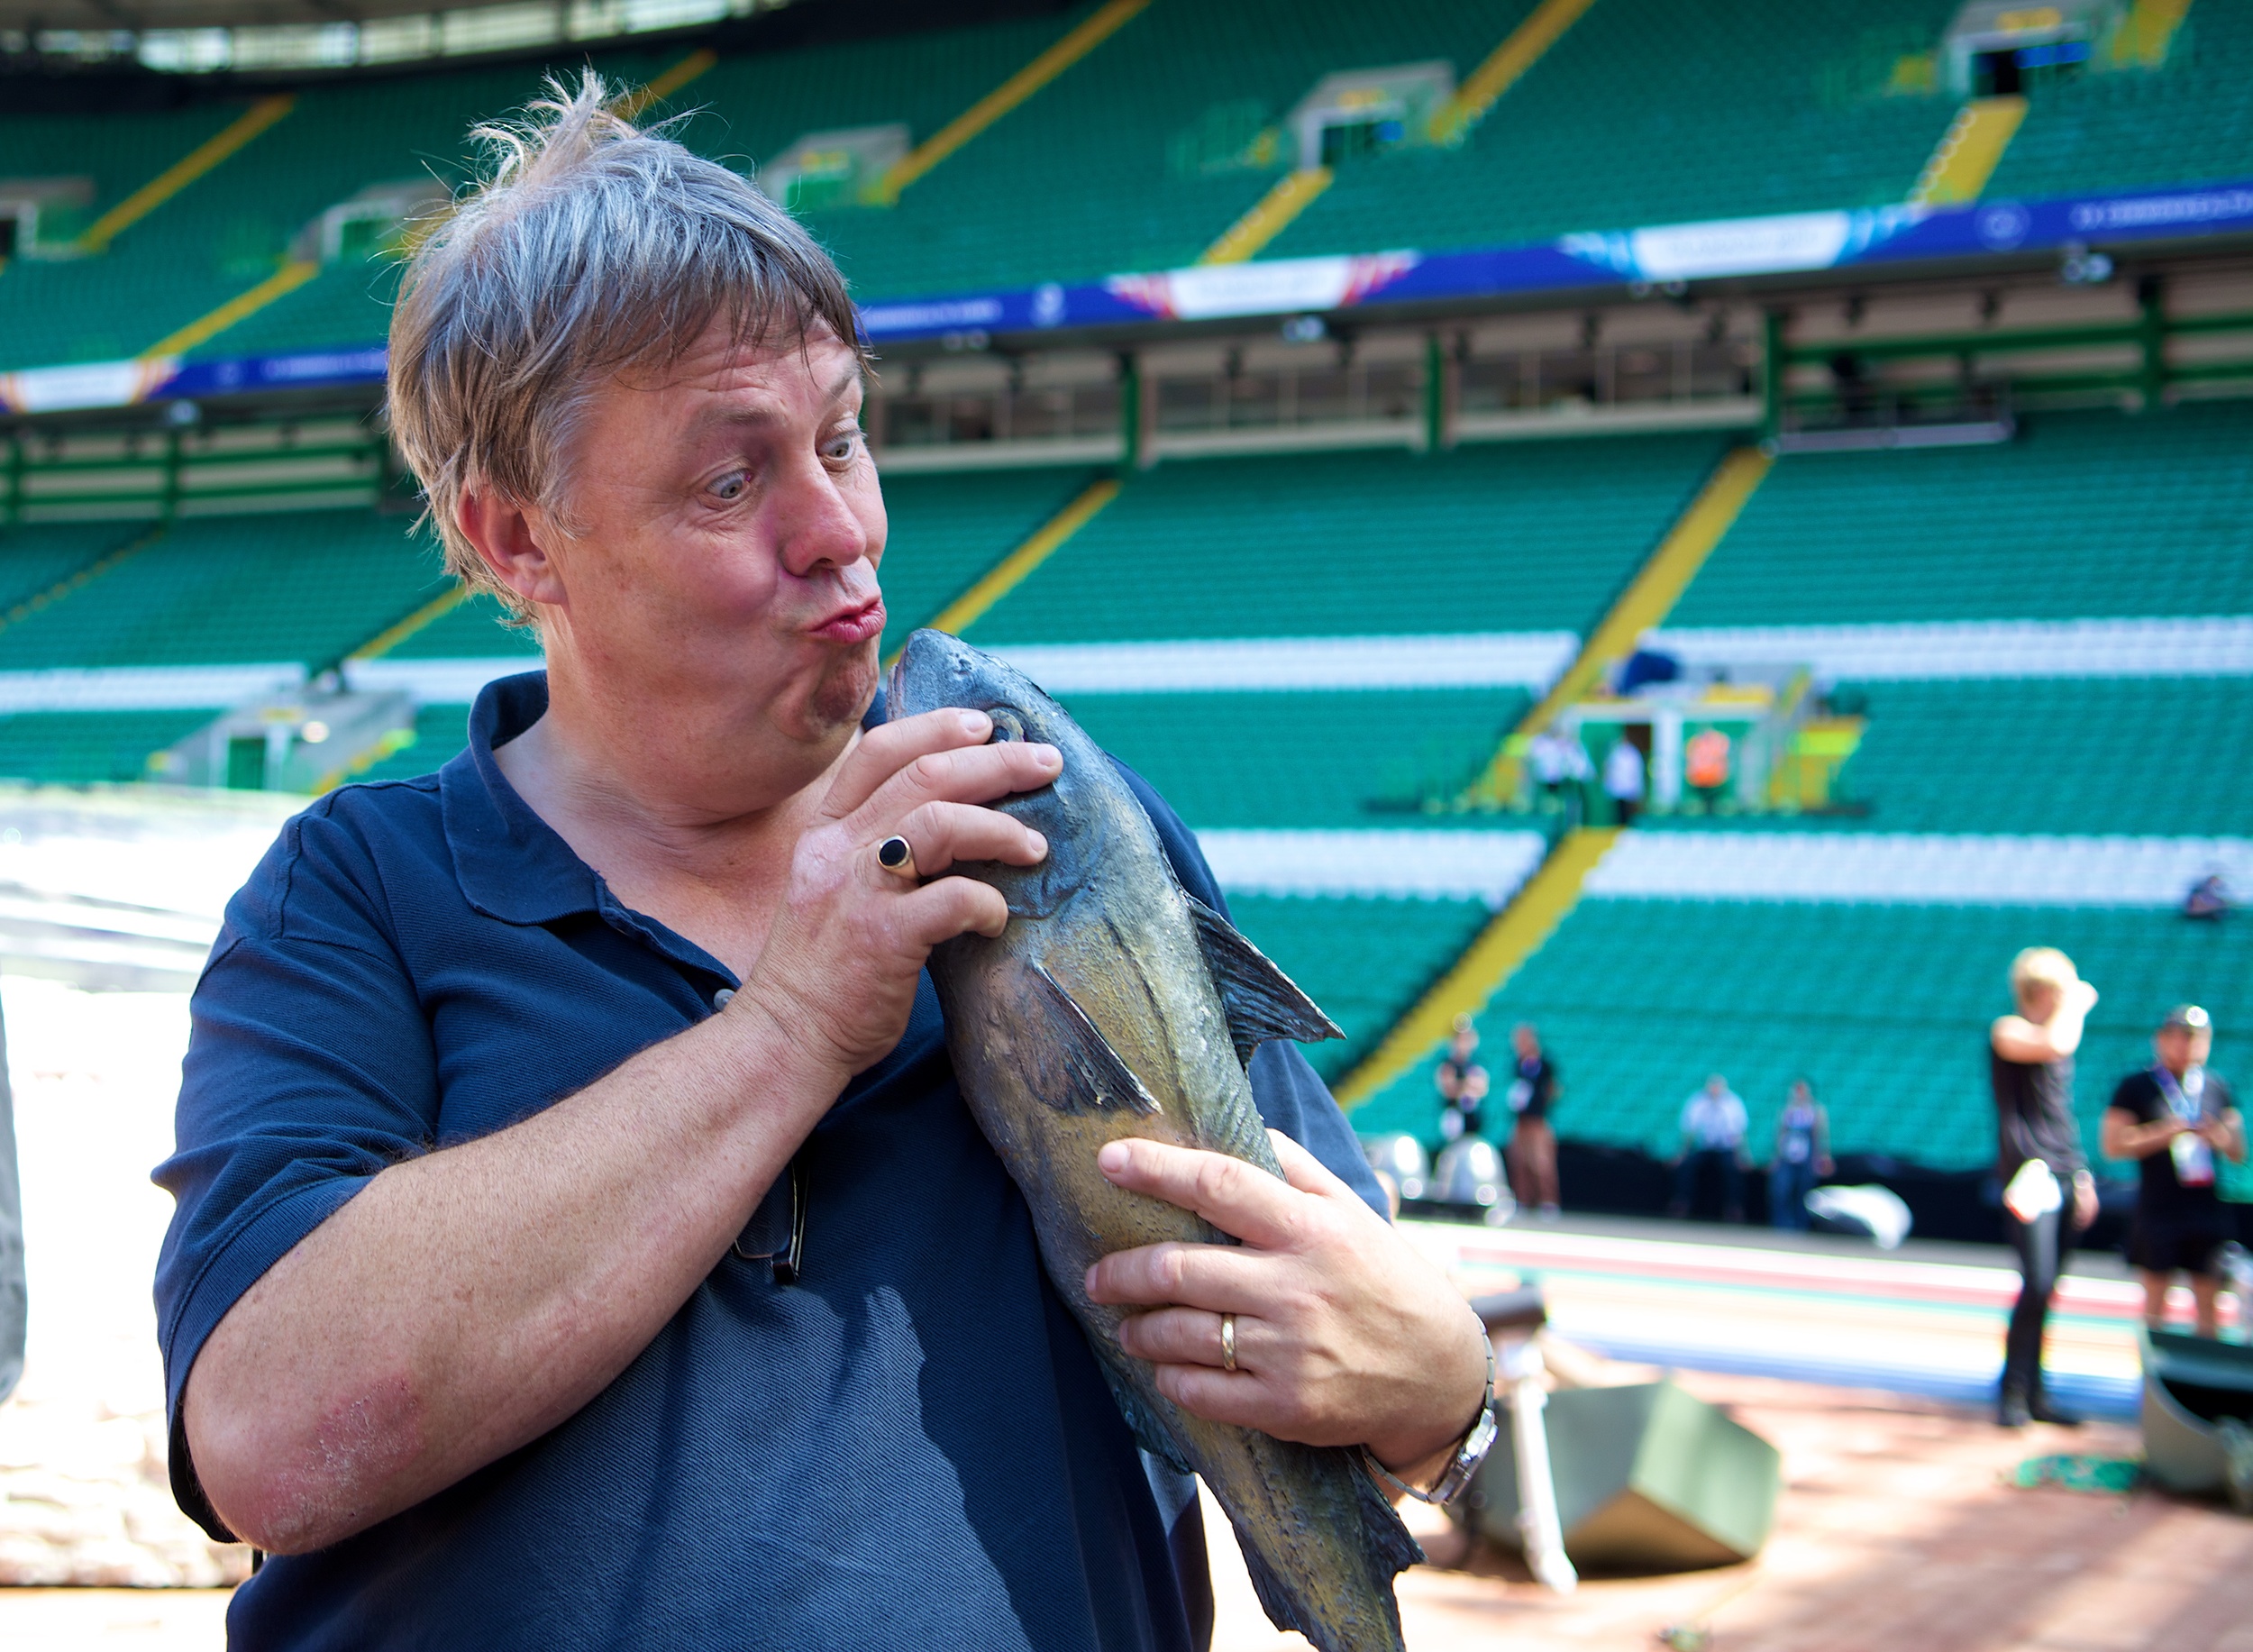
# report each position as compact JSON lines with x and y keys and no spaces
{"x":1464,"y":1465}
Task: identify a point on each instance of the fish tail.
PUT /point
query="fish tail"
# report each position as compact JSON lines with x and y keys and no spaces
{"x":1387,"y":1549}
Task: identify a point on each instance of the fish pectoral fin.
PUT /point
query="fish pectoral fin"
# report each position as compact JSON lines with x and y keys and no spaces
{"x":1261,"y":1002}
{"x":1079,"y":1071}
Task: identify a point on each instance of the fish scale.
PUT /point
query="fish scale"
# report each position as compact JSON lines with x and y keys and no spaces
{"x":1115,"y":1005}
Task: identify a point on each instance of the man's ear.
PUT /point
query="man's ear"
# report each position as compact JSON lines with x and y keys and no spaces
{"x":509,"y":539}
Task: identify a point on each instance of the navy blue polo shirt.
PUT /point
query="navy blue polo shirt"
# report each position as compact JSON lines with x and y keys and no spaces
{"x":910,"y":1444}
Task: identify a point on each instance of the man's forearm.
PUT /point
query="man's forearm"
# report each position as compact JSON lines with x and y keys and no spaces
{"x":464,"y":1303}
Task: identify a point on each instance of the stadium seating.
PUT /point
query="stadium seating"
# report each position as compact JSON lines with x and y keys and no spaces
{"x":292,"y":587}
{"x":1643,"y":111}
{"x":1364,"y":961}
{"x":2186,"y":122}
{"x":33,"y":561}
{"x":2085,"y":516}
{"x":440,"y":732}
{"x":1334,"y":758}
{"x":1708,"y":109}
{"x":945,"y":530}
{"x":73,"y":748}
{"x":2165,"y":755}
{"x":474,"y":629}
{"x":1510,"y":536}
{"x":1885,"y":1008}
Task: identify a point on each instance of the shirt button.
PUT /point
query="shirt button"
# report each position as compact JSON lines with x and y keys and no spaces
{"x":719,"y":999}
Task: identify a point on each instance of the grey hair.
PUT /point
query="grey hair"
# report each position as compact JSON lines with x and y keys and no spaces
{"x":591,"y":247}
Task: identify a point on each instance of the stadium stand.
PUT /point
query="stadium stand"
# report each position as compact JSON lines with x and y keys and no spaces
{"x":73,"y":748}
{"x":1884,"y":1007}
{"x":1134,"y":153}
{"x":2184,"y":120}
{"x":288,"y":587}
{"x":2111,"y":755}
{"x":2086,"y":514}
{"x":1506,"y":537}
{"x":1337,"y":759}
{"x":1313,"y":653}
{"x":1363,"y":961}
{"x":1712,"y":110}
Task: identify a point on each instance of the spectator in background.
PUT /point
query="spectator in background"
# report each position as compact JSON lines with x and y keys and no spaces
{"x":1803,"y":1153}
{"x":1705,"y":765}
{"x":2038,"y":1157}
{"x":1623,"y":780}
{"x":2176,"y":1116}
{"x":1462,"y":1082}
{"x":1533,"y":1144}
{"x":1713,"y":1125}
{"x":1560,"y":767}
{"x":2207,"y":900}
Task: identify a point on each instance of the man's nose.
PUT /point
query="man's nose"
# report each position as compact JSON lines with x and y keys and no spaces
{"x":815,"y":524}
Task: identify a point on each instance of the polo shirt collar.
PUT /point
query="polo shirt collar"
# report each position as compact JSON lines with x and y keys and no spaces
{"x":513,"y":865}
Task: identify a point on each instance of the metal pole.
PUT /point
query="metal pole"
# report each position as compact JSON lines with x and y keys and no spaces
{"x":1537,"y":1522}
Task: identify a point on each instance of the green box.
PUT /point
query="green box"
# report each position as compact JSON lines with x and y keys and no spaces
{"x":1648,"y":1477}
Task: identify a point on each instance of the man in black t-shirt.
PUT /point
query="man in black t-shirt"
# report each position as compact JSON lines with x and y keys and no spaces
{"x":2178,"y":1119}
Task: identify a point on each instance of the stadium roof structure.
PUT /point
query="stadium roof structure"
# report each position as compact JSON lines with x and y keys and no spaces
{"x":203,"y":37}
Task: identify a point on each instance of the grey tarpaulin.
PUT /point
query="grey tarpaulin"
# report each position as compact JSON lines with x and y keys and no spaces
{"x":11,"y":1297}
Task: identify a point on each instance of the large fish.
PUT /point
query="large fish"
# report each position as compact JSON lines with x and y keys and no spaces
{"x":1117,"y":1005}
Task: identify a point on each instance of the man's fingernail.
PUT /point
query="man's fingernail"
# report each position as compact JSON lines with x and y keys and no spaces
{"x":1040,"y":845}
{"x":976,"y":722}
{"x":1112,"y":1159}
{"x":1090,"y":1281}
{"x":1050,"y":757}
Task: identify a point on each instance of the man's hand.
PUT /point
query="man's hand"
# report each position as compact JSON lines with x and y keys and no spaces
{"x":2084,"y":1202}
{"x":849,"y":942}
{"x":1344,"y":1334}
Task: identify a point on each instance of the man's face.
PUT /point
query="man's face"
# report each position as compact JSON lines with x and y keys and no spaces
{"x":2180,"y":1048}
{"x":1527,"y":1045}
{"x":729,"y":529}
{"x":2038,"y":1002}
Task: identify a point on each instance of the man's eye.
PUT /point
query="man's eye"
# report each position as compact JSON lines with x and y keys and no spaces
{"x":730,"y":486}
{"x":840,"y":444}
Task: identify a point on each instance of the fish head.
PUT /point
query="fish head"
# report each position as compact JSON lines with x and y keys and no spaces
{"x":1074,"y":811}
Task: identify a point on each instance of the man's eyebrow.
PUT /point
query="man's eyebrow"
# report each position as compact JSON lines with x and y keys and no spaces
{"x":767,"y":414}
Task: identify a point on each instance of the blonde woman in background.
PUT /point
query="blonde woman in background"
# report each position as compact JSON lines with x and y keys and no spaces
{"x":2046,"y":1181}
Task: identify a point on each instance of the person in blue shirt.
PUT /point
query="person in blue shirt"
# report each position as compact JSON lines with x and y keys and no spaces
{"x":581,"y":1241}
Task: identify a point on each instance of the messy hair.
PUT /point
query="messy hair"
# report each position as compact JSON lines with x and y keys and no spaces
{"x":2041,"y":966}
{"x":591,"y":247}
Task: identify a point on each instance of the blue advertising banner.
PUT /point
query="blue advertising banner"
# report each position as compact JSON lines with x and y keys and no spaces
{"x":1787,"y":243}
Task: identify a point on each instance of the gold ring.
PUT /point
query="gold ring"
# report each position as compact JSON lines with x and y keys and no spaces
{"x":1227,"y":1342}
{"x":897,"y":855}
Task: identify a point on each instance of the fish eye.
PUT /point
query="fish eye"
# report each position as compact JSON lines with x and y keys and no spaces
{"x":1007,"y":726}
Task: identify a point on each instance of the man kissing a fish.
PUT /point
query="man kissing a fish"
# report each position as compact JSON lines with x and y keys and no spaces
{"x":715,"y":1166}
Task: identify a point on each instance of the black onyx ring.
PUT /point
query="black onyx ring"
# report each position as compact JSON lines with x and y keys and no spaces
{"x":897,"y":855}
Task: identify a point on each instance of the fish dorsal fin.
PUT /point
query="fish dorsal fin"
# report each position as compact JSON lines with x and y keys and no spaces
{"x":1261,"y":1002}
{"x":1079,"y":1070}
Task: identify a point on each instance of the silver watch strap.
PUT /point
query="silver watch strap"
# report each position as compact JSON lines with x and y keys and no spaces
{"x":1464,"y":1463}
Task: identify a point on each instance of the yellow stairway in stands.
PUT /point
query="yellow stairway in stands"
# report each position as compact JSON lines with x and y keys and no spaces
{"x":1968,"y":151}
{"x":184,"y":171}
{"x":1648,"y":598}
{"x":1013,"y":570}
{"x":1100,"y":26}
{"x":1503,"y":67}
{"x":1514,"y":936}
